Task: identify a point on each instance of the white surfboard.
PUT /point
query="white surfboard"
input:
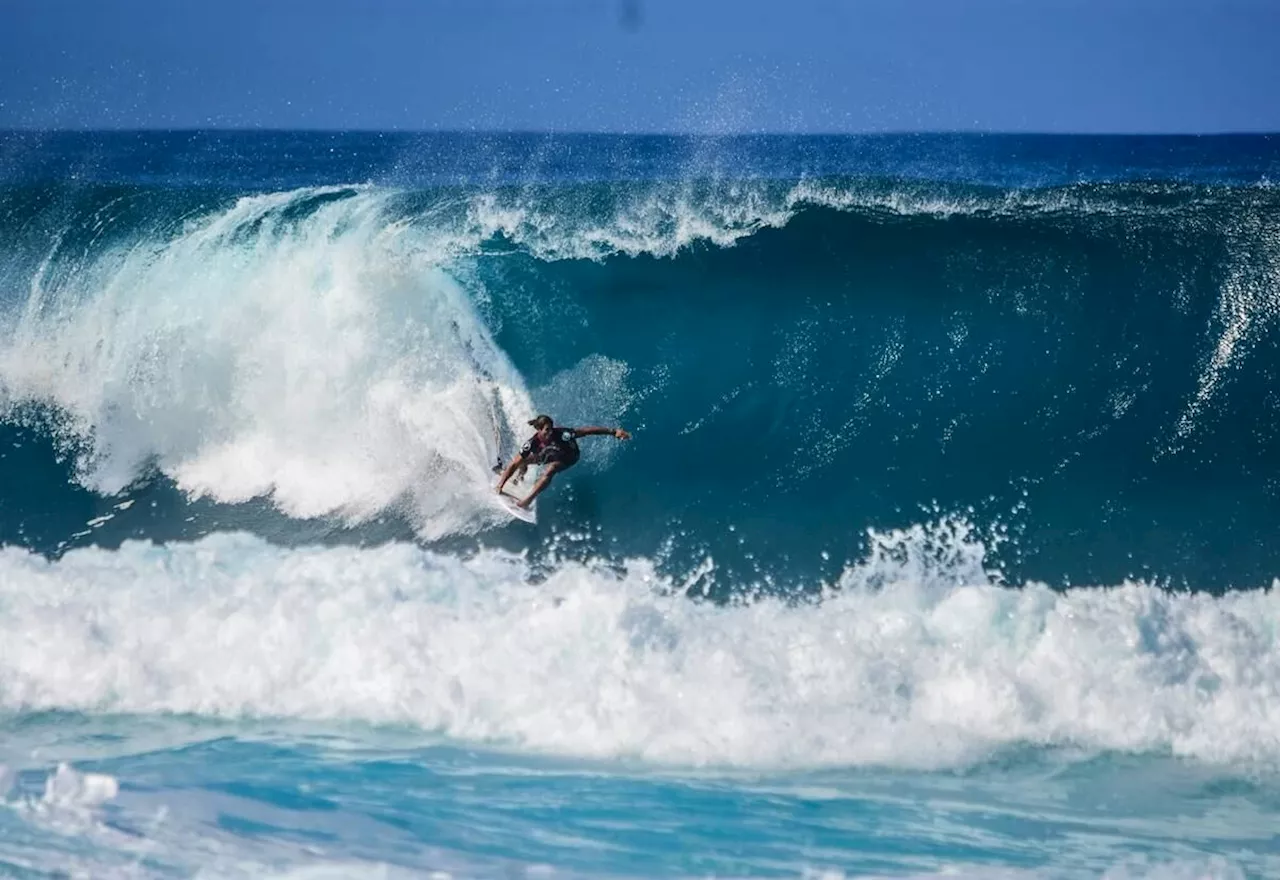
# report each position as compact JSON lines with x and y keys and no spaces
{"x":528,"y":514}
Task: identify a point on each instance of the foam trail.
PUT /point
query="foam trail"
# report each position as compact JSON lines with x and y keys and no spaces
{"x":916,"y":659}
{"x":1249,"y":300}
{"x":296,"y":345}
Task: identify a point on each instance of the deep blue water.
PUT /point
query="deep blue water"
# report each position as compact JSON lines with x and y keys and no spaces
{"x":943,"y":541}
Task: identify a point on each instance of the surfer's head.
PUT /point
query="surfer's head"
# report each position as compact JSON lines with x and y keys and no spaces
{"x":542,"y":423}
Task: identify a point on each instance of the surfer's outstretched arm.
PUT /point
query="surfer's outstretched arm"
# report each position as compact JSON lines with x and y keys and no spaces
{"x":587,"y":432}
{"x":516,"y":463}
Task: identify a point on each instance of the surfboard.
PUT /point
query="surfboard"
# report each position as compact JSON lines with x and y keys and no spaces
{"x":508,"y":501}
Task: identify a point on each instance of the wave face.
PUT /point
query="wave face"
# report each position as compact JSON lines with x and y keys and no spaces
{"x":1059,"y":339}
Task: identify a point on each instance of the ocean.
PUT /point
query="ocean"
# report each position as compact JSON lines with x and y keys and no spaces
{"x":945,"y":543}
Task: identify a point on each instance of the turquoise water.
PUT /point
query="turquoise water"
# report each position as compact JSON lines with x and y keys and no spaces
{"x":361,"y":798}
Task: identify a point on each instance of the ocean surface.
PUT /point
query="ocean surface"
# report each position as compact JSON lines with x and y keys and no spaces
{"x":945,"y":544}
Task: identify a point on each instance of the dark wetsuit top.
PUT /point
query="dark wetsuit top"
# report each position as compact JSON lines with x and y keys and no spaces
{"x":562,"y":447}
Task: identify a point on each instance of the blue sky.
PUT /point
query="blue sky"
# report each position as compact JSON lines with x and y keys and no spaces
{"x":644,"y":65}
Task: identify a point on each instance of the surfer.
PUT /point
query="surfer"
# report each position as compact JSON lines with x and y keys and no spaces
{"x":554,"y":447}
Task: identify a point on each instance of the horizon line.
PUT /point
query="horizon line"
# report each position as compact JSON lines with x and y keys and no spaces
{"x":535,"y":132}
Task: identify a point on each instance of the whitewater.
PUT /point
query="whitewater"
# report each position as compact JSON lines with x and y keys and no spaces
{"x":943,"y":546}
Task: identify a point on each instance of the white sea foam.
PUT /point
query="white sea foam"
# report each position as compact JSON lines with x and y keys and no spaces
{"x":66,"y":788}
{"x":661,"y":221}
{"x":293,"y":346}
{"x":69,"y":805}
{"x":916,"y":659}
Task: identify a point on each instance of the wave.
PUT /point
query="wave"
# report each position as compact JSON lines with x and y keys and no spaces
{"x":914,"y":657}
{"x":1025,"y":357}
{"x":289,"y":347}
